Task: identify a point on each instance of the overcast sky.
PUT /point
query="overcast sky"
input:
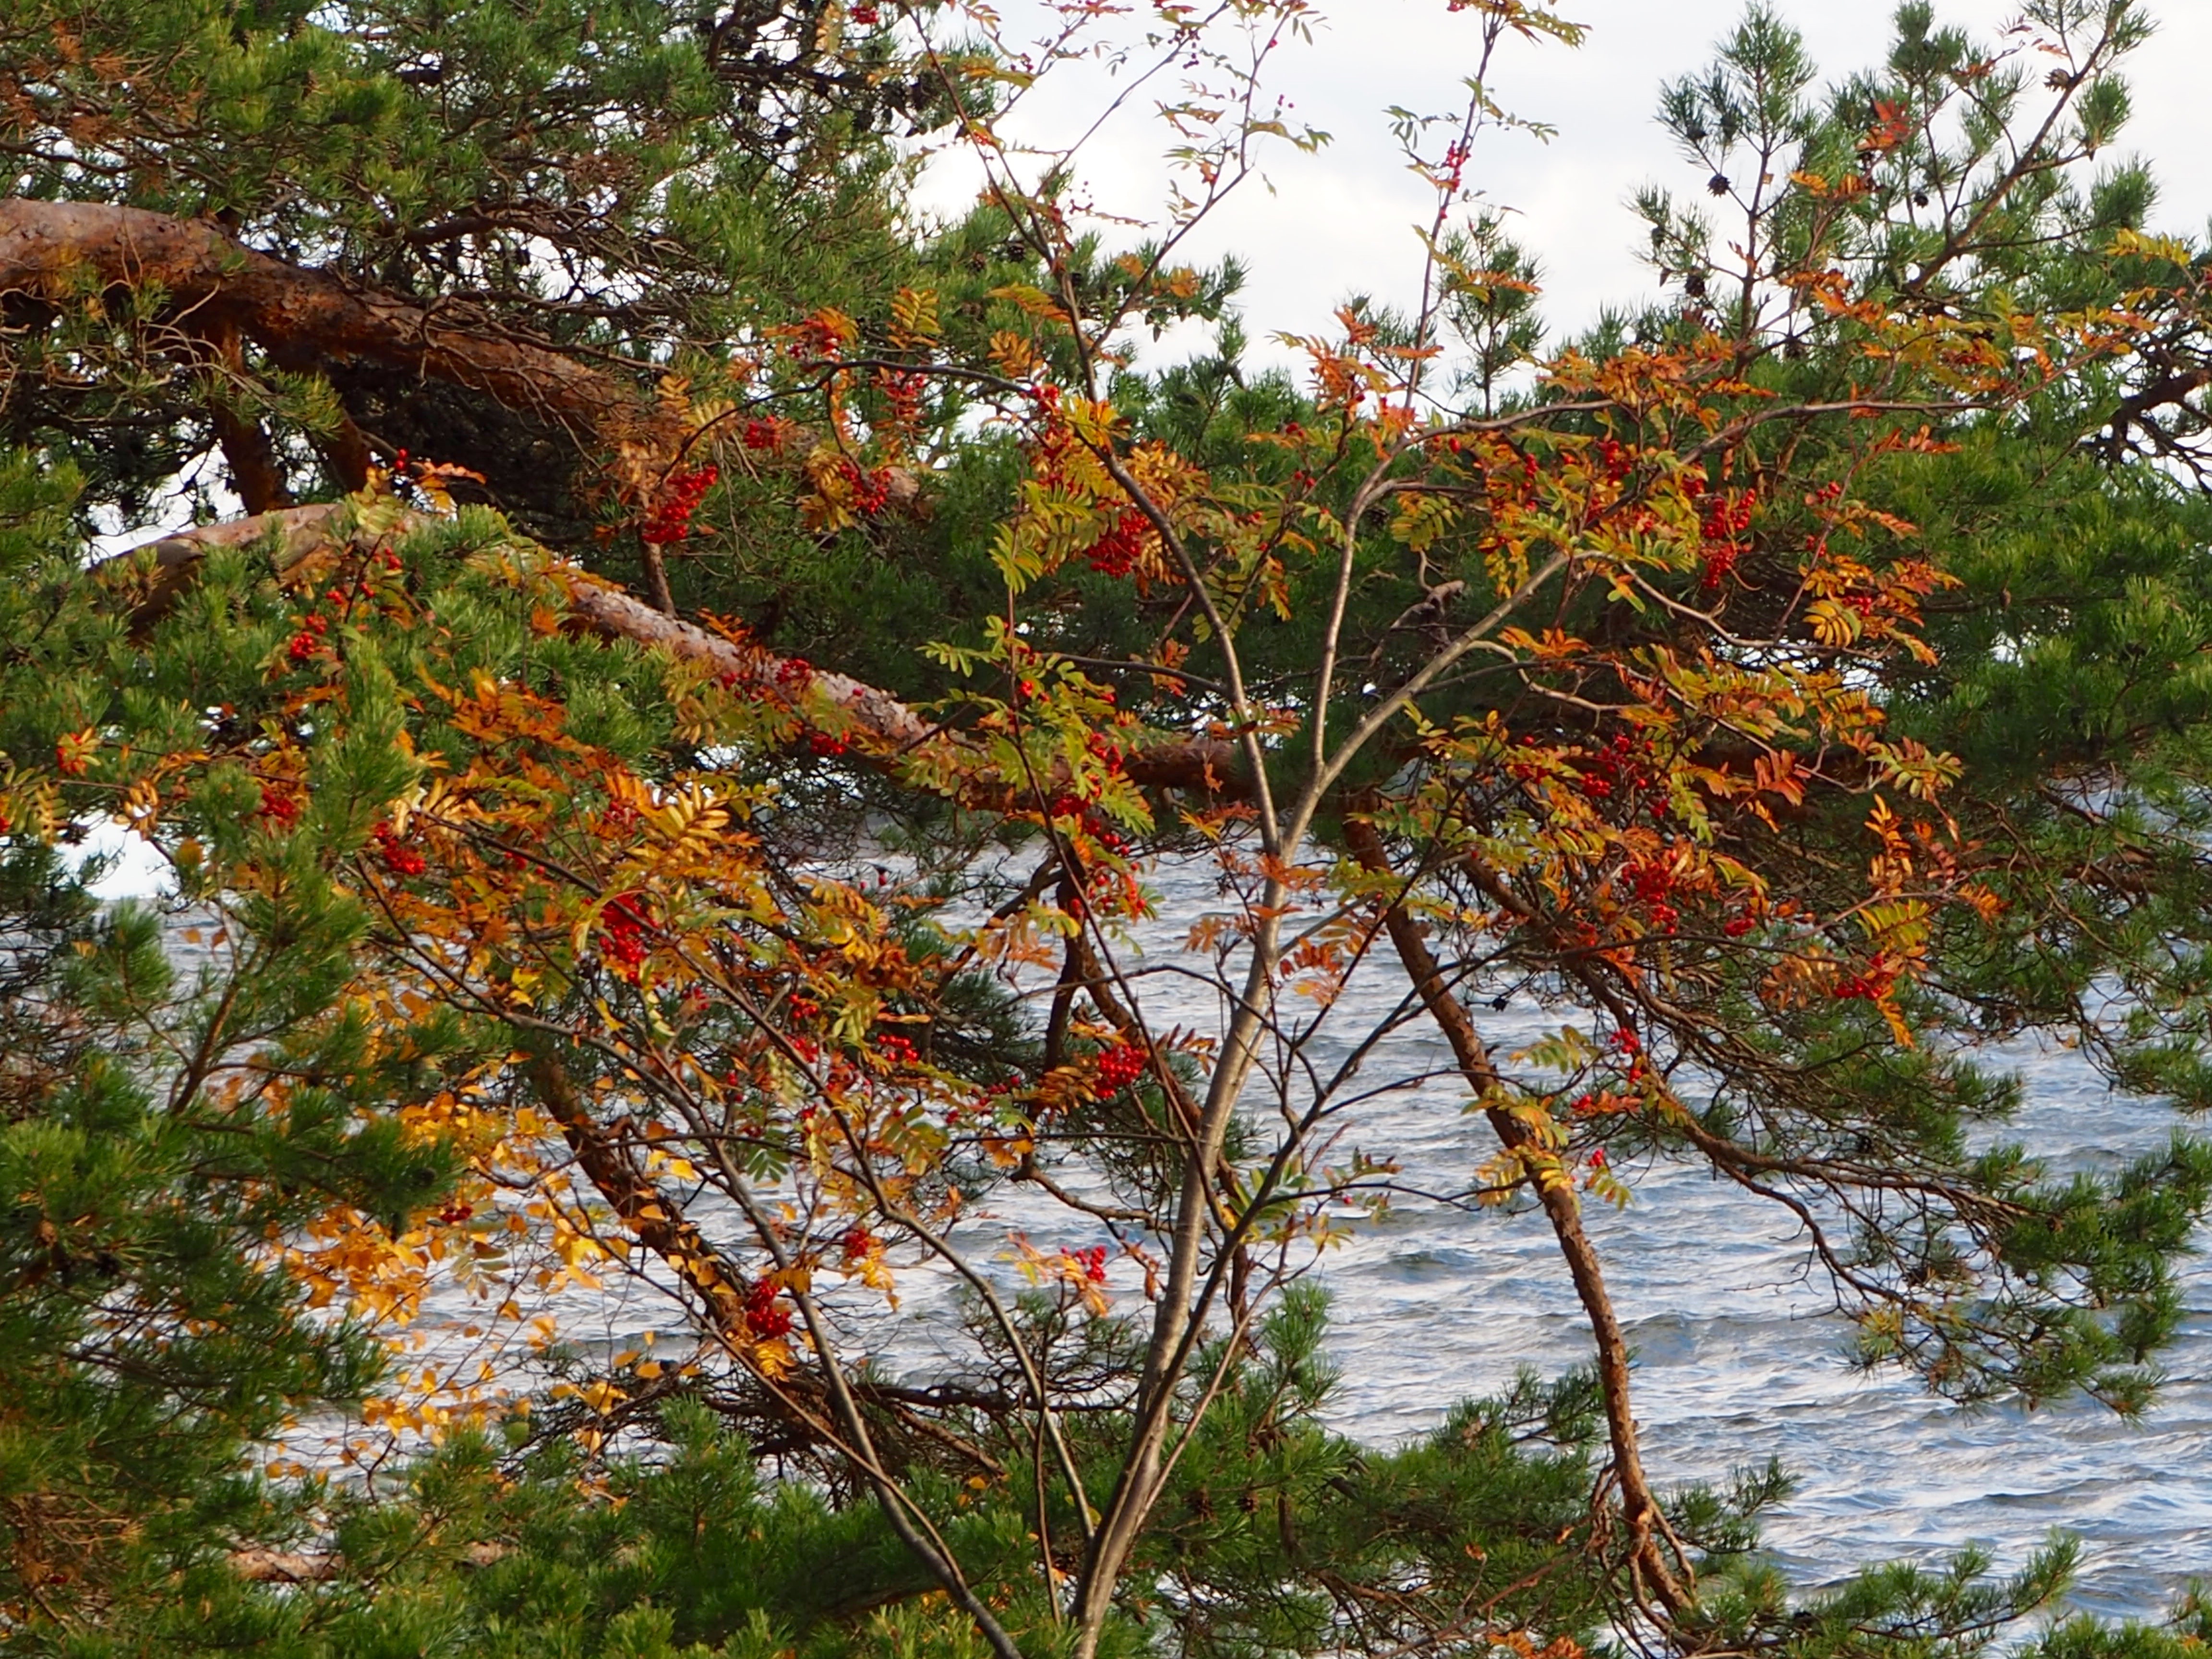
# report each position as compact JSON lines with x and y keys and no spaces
{"x":1340,"y":221}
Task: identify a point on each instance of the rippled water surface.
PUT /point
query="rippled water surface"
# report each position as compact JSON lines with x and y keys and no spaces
{"x":1738,"y":1345}
{"x":1739,"y":1359}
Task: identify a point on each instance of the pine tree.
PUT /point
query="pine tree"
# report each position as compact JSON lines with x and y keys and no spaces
{"x":1738,"y":679}
{"x":165,"y":1125}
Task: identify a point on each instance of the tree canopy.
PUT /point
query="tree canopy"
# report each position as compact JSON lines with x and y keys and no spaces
{"x":670,"y":677}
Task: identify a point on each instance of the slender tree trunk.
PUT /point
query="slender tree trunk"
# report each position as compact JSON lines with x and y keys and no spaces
{"x":1650,"y":1538}
{"x":661,"y":1226}
{"x":1176,"y":1328}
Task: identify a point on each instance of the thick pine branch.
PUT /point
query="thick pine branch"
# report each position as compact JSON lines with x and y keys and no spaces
{"x":52,"y":252}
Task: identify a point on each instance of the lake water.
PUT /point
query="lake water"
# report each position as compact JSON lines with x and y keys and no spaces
{"x":1739,"y":1347}
{"x":1740,"y":1357}
{"x":1738,"y":1344}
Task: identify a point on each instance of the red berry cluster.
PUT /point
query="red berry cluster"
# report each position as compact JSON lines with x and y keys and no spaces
{"x":1622,"y":771}
{"x":763,"y":435}
{"x":1120,"y":1065}
{"x":1653,"y":883}
{"x":766,"y":1316}
{"x":857,"y":1244}
{"x":1870,"y":987}
{"x":1455,"y":168}
{"x":1725,"y":515}
{"x":1089,"y":822}
{"x":1614,"y":457}
{"x":399,"y":857}
{"x":1526,"y":771}
{"x":671,"y":518}
{"x":309,"y":640}
{"x":623,"y":926}
{"x":1091,"y":1263}
{"x":794,"y":675}
{"x":1725,"y":519}
{"x":871,"y":488}
{"x":279,"y":807}
{"x":1116,"y":552}
{"x":897,"y":1049}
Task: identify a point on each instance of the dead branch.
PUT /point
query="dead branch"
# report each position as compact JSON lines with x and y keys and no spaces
{"x":168,"y":567}
{"x":266,"y":1566}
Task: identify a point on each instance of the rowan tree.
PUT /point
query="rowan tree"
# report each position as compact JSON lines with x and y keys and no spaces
{"x":1704,"y":682}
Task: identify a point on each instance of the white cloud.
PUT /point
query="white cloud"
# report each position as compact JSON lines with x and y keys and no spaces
{"x":1341,"y":220}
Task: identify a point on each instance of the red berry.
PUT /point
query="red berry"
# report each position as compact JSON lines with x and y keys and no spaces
{"x":764,"y":1314}
{"x":1119,"y":1067}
